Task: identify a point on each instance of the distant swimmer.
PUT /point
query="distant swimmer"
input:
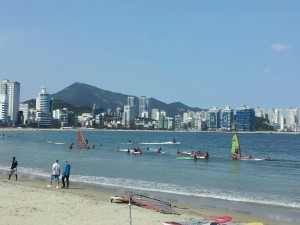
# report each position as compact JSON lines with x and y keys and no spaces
{"x":129,"y":141}
{"x":71,"y":146}
{"x":158,"y":150}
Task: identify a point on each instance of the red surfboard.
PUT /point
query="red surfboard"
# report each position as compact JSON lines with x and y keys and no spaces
{"x":206,"y":221}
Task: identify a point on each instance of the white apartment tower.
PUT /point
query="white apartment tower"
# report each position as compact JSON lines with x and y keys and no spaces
{"x":12,"y":91}
{"x":292,"y":119}
{"x":129,"y":114}
{"x":144,"y":107}
{"x":3,"y":109}
{"x":260,"y":112}
{"x":44,"y":108}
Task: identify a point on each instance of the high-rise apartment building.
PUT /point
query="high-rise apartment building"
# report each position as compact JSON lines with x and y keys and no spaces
{"x":155,"y":114}
{"x":24,"y":108}
{"x":226,"y":118}
{"x":245,"y":119}
{"x":129,"y":114}
{"x":260,"y":112}
{"x":12,"y":91}
{"x":144,"y":107}
{"x":214,"y":118}
{"x":292,"y":119}
{"x":44,"y":108}
{"x":3,"y":109}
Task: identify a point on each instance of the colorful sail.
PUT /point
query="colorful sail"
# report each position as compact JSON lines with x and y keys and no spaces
{"x":235,"y":146}
{"x":80,"y":138}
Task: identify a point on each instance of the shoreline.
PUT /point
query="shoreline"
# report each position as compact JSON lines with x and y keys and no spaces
{"x":188,"y":207}
{"x":120,"y":130}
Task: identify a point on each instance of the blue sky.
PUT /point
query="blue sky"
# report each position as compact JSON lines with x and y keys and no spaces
{"x":201,"y":53}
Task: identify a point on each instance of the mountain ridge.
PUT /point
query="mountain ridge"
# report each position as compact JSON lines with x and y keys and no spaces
{"x":81,"y":94}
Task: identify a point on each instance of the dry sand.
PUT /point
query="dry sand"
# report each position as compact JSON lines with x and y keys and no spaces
{"x":28,"y":202}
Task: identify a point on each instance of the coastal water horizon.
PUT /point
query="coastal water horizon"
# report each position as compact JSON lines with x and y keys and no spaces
{"x":272,"y":184}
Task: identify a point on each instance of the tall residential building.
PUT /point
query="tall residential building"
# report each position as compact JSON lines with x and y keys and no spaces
{"x":129,"y":114}
{"x":12,"y":90}
{"x":227,"y":118}
{"x":130,"y":101}
{"x":260,"y":112}
{"x":24,"y":108}
{"x":44,"y":108}
{"x":3,"y":109}
{"x":245,"y":119}
{"x":214,"y":118}
{"x":155,"y":114}
{"x":144,"y":107}
{"x":275,"y":115}
{"x":292,"y":119}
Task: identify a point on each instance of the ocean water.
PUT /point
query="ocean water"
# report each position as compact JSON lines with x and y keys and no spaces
{"x":272,"y":183}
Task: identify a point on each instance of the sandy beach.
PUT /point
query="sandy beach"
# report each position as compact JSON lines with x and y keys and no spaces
{"x":29,"y":201}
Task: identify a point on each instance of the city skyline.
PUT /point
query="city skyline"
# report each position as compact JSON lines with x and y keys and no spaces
{"x":203,"y":54}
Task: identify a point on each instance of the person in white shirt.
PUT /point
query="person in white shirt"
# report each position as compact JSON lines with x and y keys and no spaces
{"x":55,"y":174}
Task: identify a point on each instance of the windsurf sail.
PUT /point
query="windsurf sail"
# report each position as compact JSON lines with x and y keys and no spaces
{"x":235,"y":146}
{"x":81,"y":140}
{"x":152,"y":203}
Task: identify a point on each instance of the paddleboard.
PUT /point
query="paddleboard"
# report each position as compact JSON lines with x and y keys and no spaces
{"x":253,"y":159}
{"x":160,"y":143}
{"x":190,"y":157}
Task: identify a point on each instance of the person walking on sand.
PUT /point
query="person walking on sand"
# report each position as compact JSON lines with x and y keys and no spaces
{"x":55,"y":174}
{"x":13,"y":168}
{"x":66,"y":174}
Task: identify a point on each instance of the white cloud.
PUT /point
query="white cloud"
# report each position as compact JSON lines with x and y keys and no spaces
{"x":267,"y":70}
{"x":280,"y":47}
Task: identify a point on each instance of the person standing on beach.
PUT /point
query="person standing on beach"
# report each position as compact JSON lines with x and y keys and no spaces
{"x":13,"y":168}
{"x":66,"y":174}
{"x":55,"y":174}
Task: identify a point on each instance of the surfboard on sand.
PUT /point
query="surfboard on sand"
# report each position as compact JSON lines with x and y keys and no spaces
{"x":205,"y":221}
{"x":119,"y":199}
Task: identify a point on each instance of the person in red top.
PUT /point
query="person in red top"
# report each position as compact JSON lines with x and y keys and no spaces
{"x":206,"y":156}
{"x":234,"y":157}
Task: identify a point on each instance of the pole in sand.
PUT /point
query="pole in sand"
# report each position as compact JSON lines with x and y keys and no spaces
{"x":129,"y":205}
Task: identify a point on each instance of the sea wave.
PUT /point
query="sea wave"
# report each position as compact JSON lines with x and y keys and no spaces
{"x":141,"y":185}
{"x":216,"y":193}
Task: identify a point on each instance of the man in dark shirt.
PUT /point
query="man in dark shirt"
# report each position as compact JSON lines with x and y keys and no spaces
{"x":13,"y":168}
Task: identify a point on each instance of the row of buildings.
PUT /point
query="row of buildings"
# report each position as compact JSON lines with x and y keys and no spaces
{"x":14,"y":113}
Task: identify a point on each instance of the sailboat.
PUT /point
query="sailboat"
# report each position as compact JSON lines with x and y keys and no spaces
{"x":236,"y":150}
{"x":82,"y":141}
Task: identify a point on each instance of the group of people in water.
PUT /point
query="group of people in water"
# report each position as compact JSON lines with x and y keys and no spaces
{"x":196,"y":155}
{"x":85,"y":145}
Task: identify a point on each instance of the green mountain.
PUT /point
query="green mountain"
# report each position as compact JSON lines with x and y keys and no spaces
{"x":80,"y":94}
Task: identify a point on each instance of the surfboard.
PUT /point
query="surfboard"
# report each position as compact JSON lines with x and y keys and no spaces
{"x":119,"y":199}
{"x":190,"y":223}
{"x":253,"y":223}
{"x":205,"y":221}
{"x":220,"y":219}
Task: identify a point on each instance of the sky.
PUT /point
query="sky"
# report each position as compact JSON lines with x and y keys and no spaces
{"x":202,"y":53}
